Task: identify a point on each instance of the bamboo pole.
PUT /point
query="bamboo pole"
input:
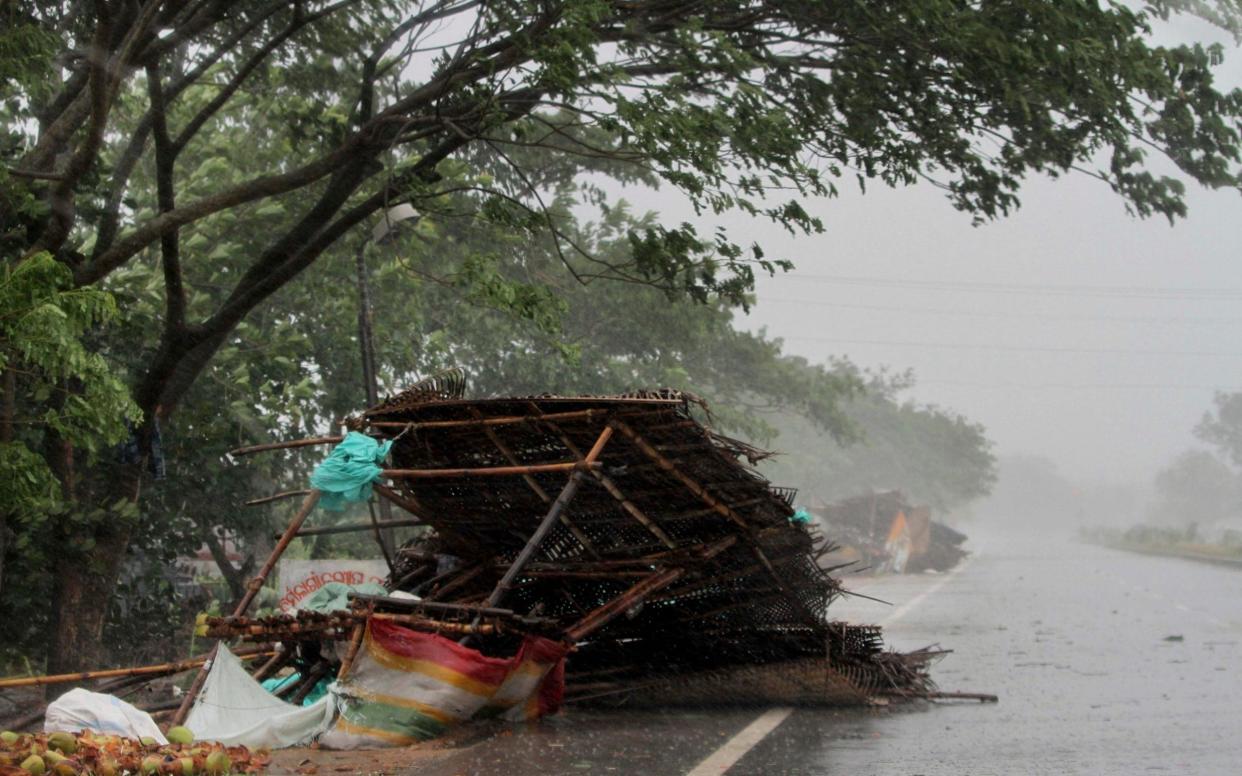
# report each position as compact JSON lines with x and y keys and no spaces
{"x":670,"y":467}
{"x":274,"y":664}
{"x":506,"y":420}
{"x":409,"y":604}
{"x":405,"y":502}
{"x":313,"y":675}
{"x":483,"y":629}
{"x":567,"y":494}
{"x":601,"y":616}
{"x":719,"y":506}
{"x":492,"y":471}
{"x":612,"y":489}
{"x":355,"y":642}
{"x":252,"y":590}
{"x":162,"y":669}
{"x":354,"y":527}
{"x":254,"y":502}
{"x":248,"y":450}
{"x":537,"y":489}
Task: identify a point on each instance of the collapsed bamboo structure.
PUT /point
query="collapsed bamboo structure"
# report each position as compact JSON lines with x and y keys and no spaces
{"x":619,"y":524}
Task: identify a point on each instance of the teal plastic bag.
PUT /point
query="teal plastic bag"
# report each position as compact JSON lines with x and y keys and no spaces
{"x":334,"y":596}
{"x":320,"y":689}
{"x":347,"y":474}
{"x":800,"y":517}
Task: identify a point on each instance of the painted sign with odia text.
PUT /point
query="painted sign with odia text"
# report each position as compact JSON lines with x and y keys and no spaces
{"x":301,"y":578}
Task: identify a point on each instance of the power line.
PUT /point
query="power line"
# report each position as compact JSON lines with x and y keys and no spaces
{"x":1109,"y":292}
{"x":1081,"y":386}
{"x":1014,"y":348}
{"x":977,"y":314}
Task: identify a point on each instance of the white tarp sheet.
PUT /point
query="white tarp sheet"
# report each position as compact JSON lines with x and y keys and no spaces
{"x":235,"y":710}
{"x":79,"y":710}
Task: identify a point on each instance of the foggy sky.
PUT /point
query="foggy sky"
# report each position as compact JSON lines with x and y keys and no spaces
{"x":1107,"y":382}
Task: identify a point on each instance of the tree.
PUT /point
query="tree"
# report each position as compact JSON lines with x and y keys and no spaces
{"x":1221,"y":427}
{"x":348,"y":106}
{"x":936,"y":456}
{"x":1196,"y":488}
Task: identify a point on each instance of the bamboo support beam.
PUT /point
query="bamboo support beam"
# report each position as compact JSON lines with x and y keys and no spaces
{"x":324,"y":530}
{"x":537,"y":489}
{"x":511,"y":420}
{"x":439,"y":626}
{"x":250,"y":449}
{"x":670,"y":467}
{"x":409,"y":604}
{"x":295,"y":525}
{"x":613,"y":490}
{"x":462,"y":579}
{"x":355,"y":642}
{"x":492,"y":471}
{"x":254,"y":502}
{"x":316,"y":672}
{"x":601,"y":616}
{"x":719,"y":506}
{"x":274,"y":664}
{"x":163,"y":669}
{"x":408,"y":503}
{"x":558,"y":506}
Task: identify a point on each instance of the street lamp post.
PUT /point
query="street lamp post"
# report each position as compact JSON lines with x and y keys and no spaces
{"x":383,"y":232}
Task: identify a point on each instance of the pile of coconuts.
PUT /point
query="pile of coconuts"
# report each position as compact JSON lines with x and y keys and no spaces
{"x":94,"y":754}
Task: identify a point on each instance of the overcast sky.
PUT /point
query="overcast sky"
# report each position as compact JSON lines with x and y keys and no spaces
{"x":1071,"y":329}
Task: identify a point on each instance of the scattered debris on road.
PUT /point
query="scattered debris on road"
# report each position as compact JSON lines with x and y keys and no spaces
{"x":883,"y":532}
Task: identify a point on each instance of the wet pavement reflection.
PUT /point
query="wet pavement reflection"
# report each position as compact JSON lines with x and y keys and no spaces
{"x":1105,"y":663}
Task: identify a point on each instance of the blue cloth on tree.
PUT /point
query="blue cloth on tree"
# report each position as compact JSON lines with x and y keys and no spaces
{"x":347,"y":474}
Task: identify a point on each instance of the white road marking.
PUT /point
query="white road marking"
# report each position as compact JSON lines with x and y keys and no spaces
{"x":904,"y":609}
{"x":735,"y":748}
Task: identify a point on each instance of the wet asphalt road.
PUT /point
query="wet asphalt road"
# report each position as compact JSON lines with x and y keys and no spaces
{"x":1073,"y":638}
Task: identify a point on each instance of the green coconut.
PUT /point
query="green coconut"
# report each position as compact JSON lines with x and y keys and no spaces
{"x":65,"y":743}
{"x":179,"y":735}
{"x":218,"y":763}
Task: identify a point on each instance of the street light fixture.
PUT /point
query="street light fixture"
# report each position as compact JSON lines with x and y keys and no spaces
{"x":382,"y":233}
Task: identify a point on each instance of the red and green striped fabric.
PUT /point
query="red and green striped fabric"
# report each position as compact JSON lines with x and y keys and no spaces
{"x":407,"y":686}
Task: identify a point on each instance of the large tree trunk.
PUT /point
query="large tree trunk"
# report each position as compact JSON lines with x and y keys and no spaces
{"x":85,"y":582}
{"x":83,"y":591}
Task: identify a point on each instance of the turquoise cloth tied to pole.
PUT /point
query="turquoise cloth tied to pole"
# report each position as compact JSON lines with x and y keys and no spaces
{"x":347,"y":473}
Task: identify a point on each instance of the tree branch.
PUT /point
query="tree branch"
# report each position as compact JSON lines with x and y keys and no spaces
{"x":170,"y":243}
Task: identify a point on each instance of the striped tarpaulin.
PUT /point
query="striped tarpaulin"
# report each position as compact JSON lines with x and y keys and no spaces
{"x":407,"y":686}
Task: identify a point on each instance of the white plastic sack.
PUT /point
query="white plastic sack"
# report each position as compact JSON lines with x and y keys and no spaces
{"x":79,"y":710}
{"x":235,"y":710}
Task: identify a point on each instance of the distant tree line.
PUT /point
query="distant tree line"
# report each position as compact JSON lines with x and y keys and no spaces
{"x":1204,"y":485}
